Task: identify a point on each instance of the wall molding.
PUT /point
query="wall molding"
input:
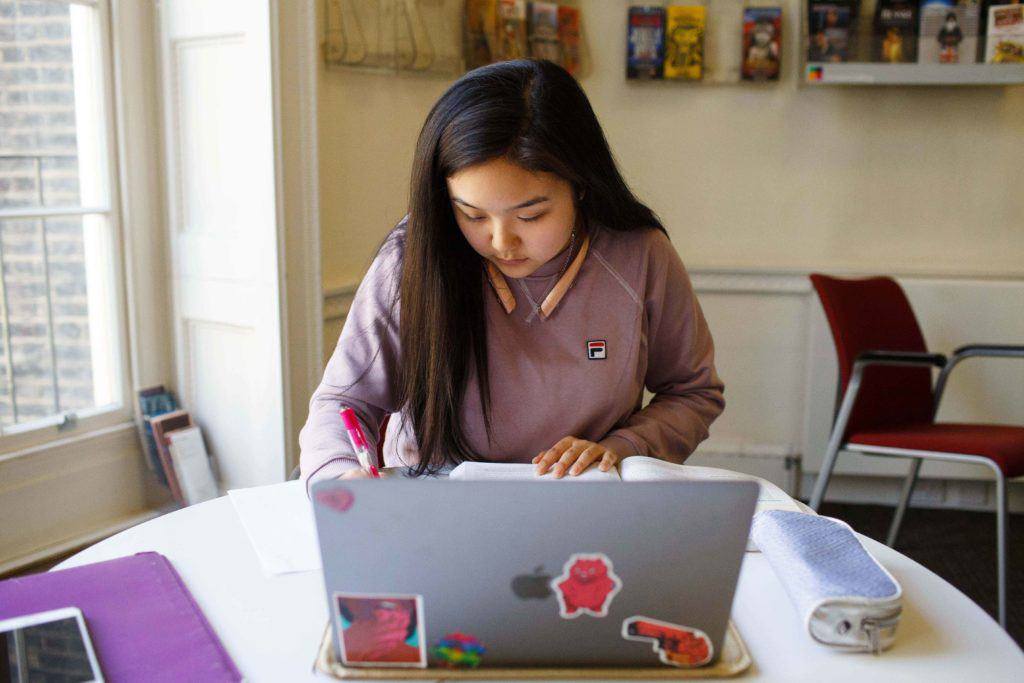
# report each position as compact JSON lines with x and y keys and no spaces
{"x":749,"y":282}
{"x":295,"y":55}
{"x":728,"y":279}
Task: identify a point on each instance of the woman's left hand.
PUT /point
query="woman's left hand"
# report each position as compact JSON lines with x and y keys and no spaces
{"x":573,"y":456}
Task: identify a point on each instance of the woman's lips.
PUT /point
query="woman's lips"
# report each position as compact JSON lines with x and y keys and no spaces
{"x":511,"y":262}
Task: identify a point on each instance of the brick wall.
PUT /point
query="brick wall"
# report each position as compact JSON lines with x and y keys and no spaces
{"x":39,"y":167}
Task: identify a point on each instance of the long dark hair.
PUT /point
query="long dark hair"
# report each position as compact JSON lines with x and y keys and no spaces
{"x":536,"y":115}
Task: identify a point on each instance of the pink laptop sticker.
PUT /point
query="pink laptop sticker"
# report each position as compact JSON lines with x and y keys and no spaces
{"x":340,"y":499}
{"x":586,"y":586}
{"x":676,"y":645}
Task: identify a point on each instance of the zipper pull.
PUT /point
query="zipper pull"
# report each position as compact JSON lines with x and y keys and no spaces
{"x":874,"y":642}
{"x":874,"y":627}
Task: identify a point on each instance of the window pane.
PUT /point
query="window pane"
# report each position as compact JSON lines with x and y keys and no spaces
{"x":51,"y":108}
{"x":47,"y":350}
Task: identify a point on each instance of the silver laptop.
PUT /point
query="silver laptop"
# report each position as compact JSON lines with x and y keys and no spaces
{"x":472,"y":573}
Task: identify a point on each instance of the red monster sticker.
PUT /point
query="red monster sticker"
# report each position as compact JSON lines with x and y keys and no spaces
{"x":587,"y":585}
{"x":676,"y":645}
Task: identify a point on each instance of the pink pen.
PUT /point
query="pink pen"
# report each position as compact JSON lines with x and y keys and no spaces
{"x":359,"y":443}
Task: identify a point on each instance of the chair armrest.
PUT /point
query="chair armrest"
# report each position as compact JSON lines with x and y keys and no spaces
{"x":899,"y":358}
{"x":990,"y":350}
{"x":971,"y":351}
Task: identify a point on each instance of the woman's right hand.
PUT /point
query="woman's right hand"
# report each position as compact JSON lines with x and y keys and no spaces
{"x":355,"y":473}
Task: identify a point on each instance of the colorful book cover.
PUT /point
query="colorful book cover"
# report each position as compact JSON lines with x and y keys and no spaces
{"x":543,"y":31}
{"x":480,"y":38}
{"x":828,"y":24}
{"x":983,"y":12}
{"x":948,"y":33}
{"x":154,"y":401}
{"x":684,"y":41}
{"x":511,"y":29}
{"x":762,"y":43}
{"x":646,"y":43}
{"x":1005,"y":40}
{"x":569,"y":37}
{"x":895,"y":31}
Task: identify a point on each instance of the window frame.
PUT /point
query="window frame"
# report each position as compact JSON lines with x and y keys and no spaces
{"x":28,"y":437}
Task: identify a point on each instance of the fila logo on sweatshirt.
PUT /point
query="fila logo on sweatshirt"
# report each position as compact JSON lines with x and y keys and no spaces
{"x":597,"y":349}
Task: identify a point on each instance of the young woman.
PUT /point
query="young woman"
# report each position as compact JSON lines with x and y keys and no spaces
{"x":520,"y":308}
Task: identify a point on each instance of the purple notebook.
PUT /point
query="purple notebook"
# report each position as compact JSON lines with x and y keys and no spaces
{"x":143,"y":622}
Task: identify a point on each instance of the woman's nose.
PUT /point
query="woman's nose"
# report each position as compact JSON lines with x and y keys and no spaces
{"x":503,"y":240}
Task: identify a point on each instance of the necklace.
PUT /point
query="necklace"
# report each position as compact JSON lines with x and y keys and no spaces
{"x":565,"y":266}
{"x":568,"y":254}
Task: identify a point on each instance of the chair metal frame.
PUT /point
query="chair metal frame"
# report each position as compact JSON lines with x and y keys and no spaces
{"x":842,"y":417}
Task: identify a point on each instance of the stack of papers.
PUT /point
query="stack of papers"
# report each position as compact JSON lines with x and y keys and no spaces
{"x":279,"y":522}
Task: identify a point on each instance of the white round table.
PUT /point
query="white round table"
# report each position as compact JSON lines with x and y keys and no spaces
{"x":272,"y":627}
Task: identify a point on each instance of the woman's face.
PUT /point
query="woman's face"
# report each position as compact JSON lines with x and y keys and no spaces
{"x":516,"y":219}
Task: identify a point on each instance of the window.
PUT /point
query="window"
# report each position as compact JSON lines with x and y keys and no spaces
{"x":61,"y":340}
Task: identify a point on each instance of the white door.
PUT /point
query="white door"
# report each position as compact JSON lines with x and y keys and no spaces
{"x":224,"y":227}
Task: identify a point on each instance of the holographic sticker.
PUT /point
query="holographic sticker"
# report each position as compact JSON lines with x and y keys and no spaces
{"x":676,"y":645}
{"x":586,"y":586}
{"x":458,"y":651}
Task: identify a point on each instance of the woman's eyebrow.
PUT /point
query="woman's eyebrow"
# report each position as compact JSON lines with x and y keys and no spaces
{"x":523,"y":205}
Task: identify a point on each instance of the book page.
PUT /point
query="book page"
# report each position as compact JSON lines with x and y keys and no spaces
{"x":192,"y":465}
{"x":503,"y":471}
{"x":644,"y":468}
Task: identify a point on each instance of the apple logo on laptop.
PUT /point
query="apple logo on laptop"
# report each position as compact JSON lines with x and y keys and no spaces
{"x":536,"y":585}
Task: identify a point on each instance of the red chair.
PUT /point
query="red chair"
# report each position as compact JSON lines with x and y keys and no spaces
{"x":888,"y":403}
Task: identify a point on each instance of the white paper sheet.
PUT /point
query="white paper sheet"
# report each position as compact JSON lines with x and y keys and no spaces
{"x":279,"y":522}
{"x":192,"y":465}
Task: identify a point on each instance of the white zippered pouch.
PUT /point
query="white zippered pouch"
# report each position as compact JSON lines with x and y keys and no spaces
{"x":845,"y":597}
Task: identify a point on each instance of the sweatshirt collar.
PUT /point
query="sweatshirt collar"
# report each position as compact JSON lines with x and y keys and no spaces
{"x":554,"y":297}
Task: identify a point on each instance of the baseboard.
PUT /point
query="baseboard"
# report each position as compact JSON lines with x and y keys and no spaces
{"x":953,"y":494}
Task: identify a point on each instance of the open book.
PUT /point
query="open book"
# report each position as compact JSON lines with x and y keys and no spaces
{"x":631,"y":469}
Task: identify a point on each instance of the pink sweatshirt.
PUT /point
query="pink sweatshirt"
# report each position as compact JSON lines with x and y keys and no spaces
{"x":632,"y":293}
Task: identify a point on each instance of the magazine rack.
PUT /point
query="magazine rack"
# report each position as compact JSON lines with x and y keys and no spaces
{"x":404,"y":36}
{"x":392,"y":36}
{"x":723,"y":45}
{"x":861,"y":68}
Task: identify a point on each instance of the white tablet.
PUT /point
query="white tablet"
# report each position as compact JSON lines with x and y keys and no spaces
{"x":47,"y":646}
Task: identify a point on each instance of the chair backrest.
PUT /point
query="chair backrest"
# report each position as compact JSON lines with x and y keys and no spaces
{"x":873,"y":314}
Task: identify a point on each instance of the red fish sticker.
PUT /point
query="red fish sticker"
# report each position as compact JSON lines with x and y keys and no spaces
{"x":676,"y":645}
{"x":586,"y":586}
